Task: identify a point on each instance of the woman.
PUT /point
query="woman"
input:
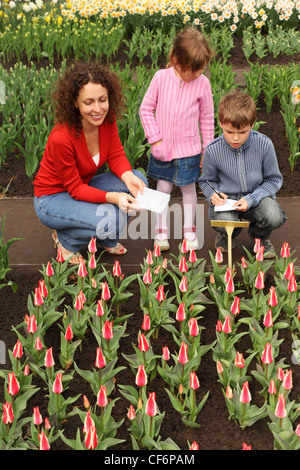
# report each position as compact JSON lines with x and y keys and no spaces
{"x":69,"y":196}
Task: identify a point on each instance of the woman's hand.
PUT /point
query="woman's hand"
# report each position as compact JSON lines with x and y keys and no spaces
{"x":124,"y":201}
{"x":133,"y":183}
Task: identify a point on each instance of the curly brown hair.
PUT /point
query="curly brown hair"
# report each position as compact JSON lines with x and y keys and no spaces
{"x":69,"y":85}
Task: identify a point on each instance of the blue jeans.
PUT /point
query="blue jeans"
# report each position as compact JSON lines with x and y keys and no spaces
{"x":76,"y":222}
{"x":264,"y":218}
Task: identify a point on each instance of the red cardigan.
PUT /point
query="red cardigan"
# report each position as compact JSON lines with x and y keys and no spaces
{"x":68,"y":166}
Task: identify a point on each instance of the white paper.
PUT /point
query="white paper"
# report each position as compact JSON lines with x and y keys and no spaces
{"x":152,"y":200}
{"x":227,"y":206}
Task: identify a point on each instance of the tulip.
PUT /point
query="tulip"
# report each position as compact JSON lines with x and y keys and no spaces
{"x":18,"y":350}
{"x":100,"y":360}
{"x":182,"y":356}
{"x":272,"y":302}
{"x":228,"y":275}
{"x":57,"y":384}
{"x":151,"y":408}
{"x":292,"y":285}
{"x":44,"y":444}
{"x":211,"y":279}
{"x":105,"y":294}
{"x":194,"y":446}
{"x":156,"y":251}
{"x":193,"y":327}
{"x":268,"y":319}
{"x":49,"y":270}
{"x":92,"y":246}
{"x":280,"y":410}
{"x":287,"y":382}
{"x":259,"y":282}
{"x":256,"y":245}
{"x":131,"y":413}
{"x":246,"y":447}
{"x":194,"y":382}
{"x":37,"y":417}
{"x":143,"y":343}
{"x":102,"y":396}
{"x":219,"y":256}
{"x":280,"y":374}
{"x":245,"y":396}
{"x":244,"y":263}
{"x":47,"y":424}
{"x":285,"y":250}
{"x":230,"y":286}
{"x":267,"y":357}
{"x":180,"y":314}
{"x":229,"y":393}
{"x":26,"y":370}
{"x":60,"y":256}
{"x":220,"y":369}
{"x":147,"y":277}
{"x":86,"y":402}
{"x":141,"y":376}
{"x":69,"y":333}
{"x":38,"y":344}
{"x":239,"y":360}
{"x":92,"y":262}
{"x":260,"y":254}
{"x":82,"y":272}
{"x":290,"y":271}
{"x":79,"y":305}
{"x":32,"y":327}
{"x":183,"y":265}
{"x":91,"y":439}
{"x":146,"y":322}
{"x":165,"y":353}
{"x":8,"y":414}
{"x":219,"y":326}
{"x":49,"y":361}
{"x":117,"y":269}
{"x":160,"y":296}
{"x":107,"y":330}
{"x":235,"y":307}
{"x":100,"y":308}
{"x":183,"y":284}
{"x":88,"y":422}
{"x":272,"y":387}
{"x":226,"y":327}
{"x":13,"y":384}
{"x":184,"y":248}
{"x":192,"y":256}
{"x":149,"y":259}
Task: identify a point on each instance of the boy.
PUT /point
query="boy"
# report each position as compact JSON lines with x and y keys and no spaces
{"x":241,"y":164}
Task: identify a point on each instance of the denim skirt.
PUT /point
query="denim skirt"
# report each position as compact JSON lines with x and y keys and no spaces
{"x":180,"y":171}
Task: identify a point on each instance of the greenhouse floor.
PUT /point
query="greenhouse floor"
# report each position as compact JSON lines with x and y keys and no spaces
{"x":36,"y":248}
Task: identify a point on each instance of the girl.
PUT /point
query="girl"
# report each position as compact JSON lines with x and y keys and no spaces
{"x":177,"y":104}
{"x":69,"y":196}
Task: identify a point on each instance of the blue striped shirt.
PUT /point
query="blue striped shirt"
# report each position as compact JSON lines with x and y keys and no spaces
{"x":250,"y":171}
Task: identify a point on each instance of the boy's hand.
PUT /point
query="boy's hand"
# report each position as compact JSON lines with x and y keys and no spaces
{"x":217,"y":200}
{"x":241,"y":205}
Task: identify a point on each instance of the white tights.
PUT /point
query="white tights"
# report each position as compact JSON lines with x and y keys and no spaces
{"x":189,"y":199}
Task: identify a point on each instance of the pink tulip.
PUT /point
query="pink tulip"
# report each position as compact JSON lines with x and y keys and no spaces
{"x":272,"y":387}
{"x":13,"y":384}
{"x":92,"y":246}
{"x":268,"y":320}
{"x":60,"y":256}
{"x":194,"y":382}
{"x":192,"y":256}
{"x":47,"y":424}
{"x":82,"y":272}
{"x":100,"y":309}
{"x":228,"y":275}
{"x":117,"y":269}
{"x":146,"y":322}
{"x":239,"y":360}
{"x":49,"y":270}
{"x":226,"y":327}
{"x":156,"y":251}
{"x":37,"y":417}
{"x":105,"y":294}
{"x":44,"y":444}
{"x":26,"y":370}
{"x":100,"y":359}
{"x":219,"y":256}
{"x":246,"y":446}
{"x":183,"y":248}
{"x":219,"y":326}
{"x":79,"y":305}
{"x":267,"y":357}
{"x":160,"y":296}
{"x":290,"y":271}
{"x":245,"y":396}
{"x":143,"y":343}
{"x":180,"y":314}
{"x":91,"y":439}
{"x":285,"y":250}
{"x":69,"y":333}
{"x":183,"y":284}
{"x":244,"y":263}
{"x":147,"y":276}
{"x":102,"y":396}
{"x":260,"y":254}
{"x":149,"y":259}
{"x":107,"y":330}
{"x":182,"y":356}
{"x":92,"y":262}
{"x":259,"y":282}
{"x":32,"y":327}
{"x":193,"y":327}
{"x":18,"y":350}
{"x":183,"y":265}
{"x":57,"y":384}
{"x":280,"y":410}
{"x":287,"y":382}
{"x":42,"y":293}
{"x":165,"y":353}
{"x":220,"y":369}
{"x":141,"y":376}
{"x":88,"y":422}
{"x":38,"y":344}
{"x":151,"y":408}
{"x":49,"y":361}
{"x":131,"y":413}
{"x":235,"y":307}
{"x":194,"y":446}
{"x":230,"y":286}
{"x":8,"y":414}
{"x":228,"y":392}
{"x":256,"y":245}
{"x":292,"y":285}
{"x":272,"y":297}
{"x":280,"y":374}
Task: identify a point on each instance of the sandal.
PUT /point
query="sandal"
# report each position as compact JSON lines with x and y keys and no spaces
{"x":194,"y":244}
{"x":164,"y":245}
{"x":74,"y":258}
{"x":116,"y":250}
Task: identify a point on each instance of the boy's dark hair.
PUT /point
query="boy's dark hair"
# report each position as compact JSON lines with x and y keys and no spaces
{"x":238,"y":109}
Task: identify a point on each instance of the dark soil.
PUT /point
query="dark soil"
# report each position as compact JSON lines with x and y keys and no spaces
{"x":217,"y":432}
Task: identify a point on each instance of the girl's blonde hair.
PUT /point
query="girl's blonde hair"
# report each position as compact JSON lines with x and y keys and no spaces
{"x":238,"y":109}
{"x":191,"y":50}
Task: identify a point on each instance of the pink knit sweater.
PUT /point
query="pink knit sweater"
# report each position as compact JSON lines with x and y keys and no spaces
{"x":175,"y":111}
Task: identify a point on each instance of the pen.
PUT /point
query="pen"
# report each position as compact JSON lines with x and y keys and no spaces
{"x":214,"y":189}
